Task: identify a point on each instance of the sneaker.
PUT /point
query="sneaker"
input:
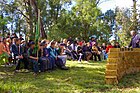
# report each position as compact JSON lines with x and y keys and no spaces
{"x":64,"y":68}
{"x":26,"y":70}
{"x":79,"y":61}
{"x":17,"y":71}
{"x":35,"y":74}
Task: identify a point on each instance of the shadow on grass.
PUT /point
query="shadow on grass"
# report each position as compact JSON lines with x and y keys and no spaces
{"x":83,"y":77}
{"x":129,"y":81}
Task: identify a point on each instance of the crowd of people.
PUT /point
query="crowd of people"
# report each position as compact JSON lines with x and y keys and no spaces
{"x":49,"y":55}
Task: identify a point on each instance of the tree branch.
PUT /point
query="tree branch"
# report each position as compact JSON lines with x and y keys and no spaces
{"x":98,"y":2}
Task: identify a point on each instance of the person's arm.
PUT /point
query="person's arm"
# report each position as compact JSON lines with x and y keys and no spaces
{"x":35,"y":58}
{"x":130,"y":43}
{"x":14,"y":50}
{"x":30,"y":55}
{"x":107,"y":49}
{"x":138,"y":39}
{"x":51,"y":53}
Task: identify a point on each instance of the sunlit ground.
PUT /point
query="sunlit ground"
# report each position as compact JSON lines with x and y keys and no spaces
{"x":81,"y":78}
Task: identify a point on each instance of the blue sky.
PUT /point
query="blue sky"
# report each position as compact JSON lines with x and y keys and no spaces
{"x":111,"y":4}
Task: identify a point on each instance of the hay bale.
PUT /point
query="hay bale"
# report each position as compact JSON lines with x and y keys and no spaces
{"x":111,"y":67}
{"x":111,"y":73}
{"x":114,"y":55}
{"x":136,"y":49}
{"x":114,"y":50}
{"x":113,"y":60}
{"x":111,"y":80}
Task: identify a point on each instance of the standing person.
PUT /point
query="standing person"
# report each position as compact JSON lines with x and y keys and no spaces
{"x":103,"y":48}
{"x":135,"y":40}
{"x":108,"y":48}
{"x":18,"y":54}
{"x":93,"y":41}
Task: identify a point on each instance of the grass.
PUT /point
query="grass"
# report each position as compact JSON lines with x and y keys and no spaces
{"x":81,"y":78}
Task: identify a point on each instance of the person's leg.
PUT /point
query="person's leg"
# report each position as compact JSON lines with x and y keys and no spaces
{"x":35,"y":66}
{"x":51,"y":64}
{"x":74,"y":56}
{"x":89,"y":55}
{"x":99,"y":57}
{"x":80,"y":57}
{"x":26,"y":63}
{"x":63,"y":58}
{"x":70,"y":54}
{"x":41,"y":65}
{"x":18,"y":64}
{"x":95,"y":56}
{"x":60,"y":64}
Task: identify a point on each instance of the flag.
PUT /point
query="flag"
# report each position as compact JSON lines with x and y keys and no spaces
{"x":37,"y":33}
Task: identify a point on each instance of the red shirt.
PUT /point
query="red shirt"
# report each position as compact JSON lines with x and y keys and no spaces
{"x":108,"y":47}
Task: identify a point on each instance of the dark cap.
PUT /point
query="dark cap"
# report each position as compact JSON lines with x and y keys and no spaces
{"x":31,"y":43}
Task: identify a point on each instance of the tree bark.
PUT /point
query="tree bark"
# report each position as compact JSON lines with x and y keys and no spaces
{"x":34,"y":4}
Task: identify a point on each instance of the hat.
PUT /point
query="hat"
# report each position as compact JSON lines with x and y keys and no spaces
{"x":42,"y":44}
{"x":31,"y":43}
{"x":22,"y":41}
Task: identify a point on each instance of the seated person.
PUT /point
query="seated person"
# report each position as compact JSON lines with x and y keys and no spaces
{"x":16,"y":49}
{"x":68,"y":51}
{"x":117,"y":45}
{"x":42,"y":60}
{"x":61,"y":53}
{"x":53,"y":53}
{"x":4,"y":51}
{"x":87,"y":51}
{"x":80,"y":53}
{"x":74,"y":50}
{"x":96,"y":52}
{"x":32,"y":54}
{"x":51,"y":61}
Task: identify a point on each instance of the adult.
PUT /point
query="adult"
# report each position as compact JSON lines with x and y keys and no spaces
{"x":18,"y":54}
{"x":135,"y":40}
{"x":87,"y":51}
{"x":14,"y":35}
{"x":117,"y":45}
{"x":4,"y":50}
{"x":109,"y":47}
{"x":93,"y":41}
{"x":103,"y":48}
{"x":51,"y":61}
{"x":96,"y":52}
{"x":33,"y":57}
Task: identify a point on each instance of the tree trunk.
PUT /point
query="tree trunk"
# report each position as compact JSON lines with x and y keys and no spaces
{"x":34,"y":4}
{"x":29,"y":20}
